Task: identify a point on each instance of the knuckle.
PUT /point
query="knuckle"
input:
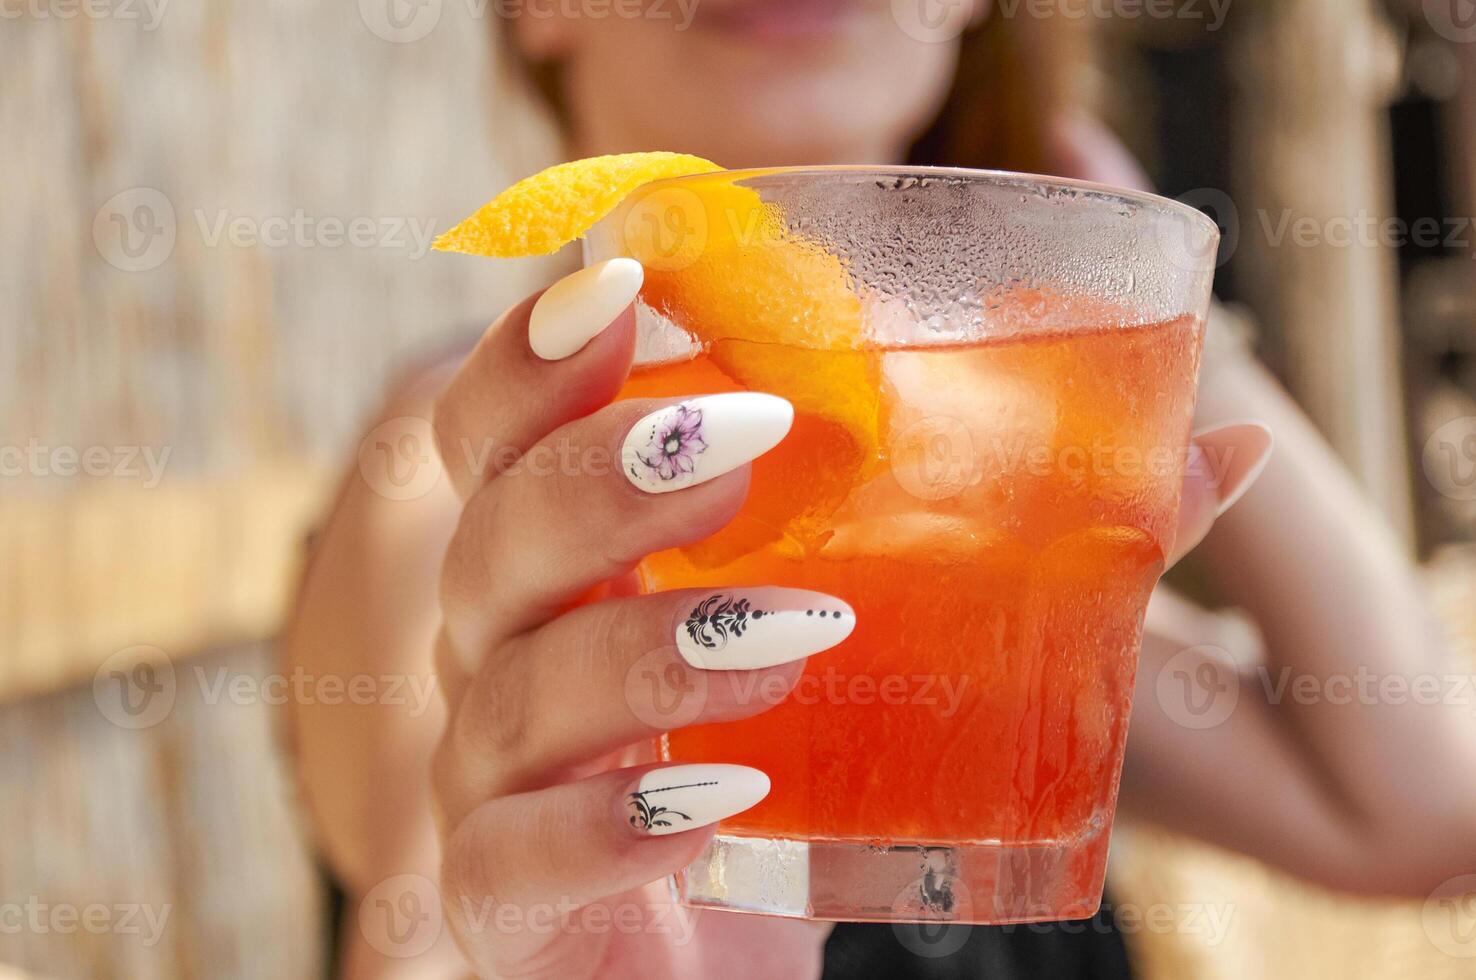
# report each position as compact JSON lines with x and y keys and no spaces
{"x":451,"y":790}
{"x":497,"y":716}
{"x":471,"y":867}
{"x":445,"y":423}
{"x":638,"y":527}
{"x":548,"y":827}
{"x":468,"y":571}
{"x":443,"y":770}
{"x":603,"y":639}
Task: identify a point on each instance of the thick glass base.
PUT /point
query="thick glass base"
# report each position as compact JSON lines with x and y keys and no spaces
{"x":977,"y":883}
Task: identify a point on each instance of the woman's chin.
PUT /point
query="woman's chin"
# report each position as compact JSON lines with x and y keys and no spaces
{"x":781,"y":22}
{"x":787,"y":140}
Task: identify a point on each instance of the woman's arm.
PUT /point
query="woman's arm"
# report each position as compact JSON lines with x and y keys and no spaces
{"x":503,"y":800}
{"x":1329,"y":759}
{"x":368,"y":609}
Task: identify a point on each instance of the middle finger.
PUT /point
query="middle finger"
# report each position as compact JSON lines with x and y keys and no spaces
{"x":592,"y":499}
{"x":607,"y":675}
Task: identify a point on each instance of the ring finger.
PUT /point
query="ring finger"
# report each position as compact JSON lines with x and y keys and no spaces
{"x":643,"y":665}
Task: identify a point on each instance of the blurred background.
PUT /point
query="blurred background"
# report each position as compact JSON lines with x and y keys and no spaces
{"x":214,"y":258}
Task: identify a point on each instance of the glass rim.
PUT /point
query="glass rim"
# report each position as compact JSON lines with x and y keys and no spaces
{"x":994,"y":178}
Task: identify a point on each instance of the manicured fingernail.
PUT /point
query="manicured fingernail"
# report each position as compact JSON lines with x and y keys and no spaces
{"x":1237,"y":454}
{"x":746,"y":629}
{"x":690,"y":443}
{"x":678,"y":798}
{"x":571,"y":311}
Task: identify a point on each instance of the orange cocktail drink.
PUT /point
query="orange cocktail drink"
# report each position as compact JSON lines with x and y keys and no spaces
{"x":993,"y":378}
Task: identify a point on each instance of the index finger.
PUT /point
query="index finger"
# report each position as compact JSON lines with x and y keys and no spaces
{"x":555,"y":357}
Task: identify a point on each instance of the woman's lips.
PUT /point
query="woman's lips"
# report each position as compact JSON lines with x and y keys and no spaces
{"x":779,"y":20}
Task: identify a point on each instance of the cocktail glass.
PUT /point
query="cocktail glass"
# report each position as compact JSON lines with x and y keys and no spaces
{"x":994,"y":377}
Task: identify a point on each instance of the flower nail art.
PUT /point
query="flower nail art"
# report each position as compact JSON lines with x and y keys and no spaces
{"x":676,"y":798}
{"x":719,"y":617}
{"x":675,"y":443}
{"x":761,"y":627}
{"x":702,"y":438}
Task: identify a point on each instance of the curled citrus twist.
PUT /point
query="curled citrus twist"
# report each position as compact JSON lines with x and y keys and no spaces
{"x":772,"y":310}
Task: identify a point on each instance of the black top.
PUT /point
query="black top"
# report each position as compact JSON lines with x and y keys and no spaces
{"x":1090,"y":950}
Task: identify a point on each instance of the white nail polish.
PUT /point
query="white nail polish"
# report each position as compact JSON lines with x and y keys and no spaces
{"x":678,"y":798}
{"x":571,"y":311}
{"x":1240,"y":475}
{"x":701,"y":438}
{"x":745,"y":629}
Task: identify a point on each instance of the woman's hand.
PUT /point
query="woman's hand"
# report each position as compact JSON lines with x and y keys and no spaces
{"x":549,"y":853}
{"x":553,"y":859}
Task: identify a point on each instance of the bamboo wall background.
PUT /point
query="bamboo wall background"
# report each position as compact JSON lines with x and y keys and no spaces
{"x":246,"y":367}
{"x":249,"y":370}
{"x":254,"y":367}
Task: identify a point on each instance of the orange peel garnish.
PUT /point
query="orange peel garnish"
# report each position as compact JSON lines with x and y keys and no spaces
{"x":541,"y":214}
{"x":773,"y":311}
